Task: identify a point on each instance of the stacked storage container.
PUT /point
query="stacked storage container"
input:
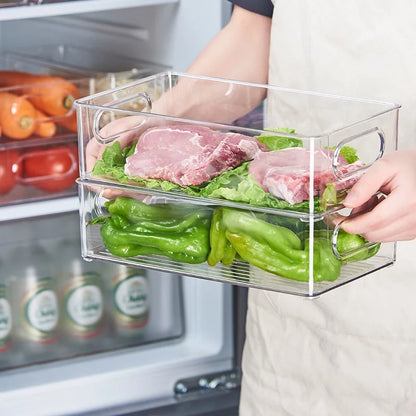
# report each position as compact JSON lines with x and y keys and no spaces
{"x":270,"y":221}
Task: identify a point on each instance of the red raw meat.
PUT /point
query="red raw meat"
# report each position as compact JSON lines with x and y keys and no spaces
{"x":189,"y":155}
{"x":285,"y":173}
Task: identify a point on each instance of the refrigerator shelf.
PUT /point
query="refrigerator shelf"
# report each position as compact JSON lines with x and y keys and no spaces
{"x":67,"y":7}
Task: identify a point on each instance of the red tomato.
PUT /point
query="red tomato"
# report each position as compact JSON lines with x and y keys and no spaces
{"x":53,"y":169}
{"x":8,"y":170}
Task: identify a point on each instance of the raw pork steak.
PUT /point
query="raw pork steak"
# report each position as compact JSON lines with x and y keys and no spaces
{"x":189,"y":155}
{"x":285,"y":173}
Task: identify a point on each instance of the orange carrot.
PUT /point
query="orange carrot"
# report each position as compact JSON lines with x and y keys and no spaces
{"x":17,"y":116}
{"x":44,"y":127}
{"x":52,"y":95}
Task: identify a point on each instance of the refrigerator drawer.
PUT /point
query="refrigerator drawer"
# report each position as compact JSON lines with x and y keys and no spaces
{"x":35,"y":169}
{"x":38,"y":148}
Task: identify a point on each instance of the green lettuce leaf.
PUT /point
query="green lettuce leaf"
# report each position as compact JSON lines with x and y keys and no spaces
{"x":276,"y":142}
{"x":234,"y":185}
{"x":239,"y":186}
{"x":112,"y":163}
{"x":349,"y":153}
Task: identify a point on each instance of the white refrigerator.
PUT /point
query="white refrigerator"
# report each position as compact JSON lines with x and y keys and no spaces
{"x":179,"y":352}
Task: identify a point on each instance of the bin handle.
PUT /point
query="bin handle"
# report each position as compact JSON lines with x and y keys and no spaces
{"x":341,"y":144}
{"x":99,"y":114}
{"x":47,"y":152}
{"x":347,"y":254}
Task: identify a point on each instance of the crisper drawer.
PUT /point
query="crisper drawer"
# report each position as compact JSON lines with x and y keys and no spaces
{"x":38,"y":146}
{"x":229,"y":193}
{"x":38,"y":126}
{"x":36,"y":169}
{"x":37,"y":97}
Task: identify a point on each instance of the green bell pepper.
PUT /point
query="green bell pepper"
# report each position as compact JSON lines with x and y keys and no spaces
{"x":279,"y":238}
{"x":221,"y":249}
{"x":135,"y":228}
{"x":356,"y":245}
{"x":135,"y":210}
{"x":278,"y":249}
{"x":325,"y":265}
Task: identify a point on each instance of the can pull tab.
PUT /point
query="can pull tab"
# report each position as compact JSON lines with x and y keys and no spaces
{"x":142,"y":96}
{"x":336,"y":162}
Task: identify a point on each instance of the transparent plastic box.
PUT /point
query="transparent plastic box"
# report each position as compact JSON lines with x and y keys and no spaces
{"x":38,"y":148}
{"x":262,"y":219}
{"x":73,"y":71}
{"x":51,"y":135}
{"x":105,"y":70}
{"x":38,"y":170}
{"x":47,"y":99}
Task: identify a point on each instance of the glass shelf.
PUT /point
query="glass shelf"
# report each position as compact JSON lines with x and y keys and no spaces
{"x":42,"y":8}
{"x":36,"y":209}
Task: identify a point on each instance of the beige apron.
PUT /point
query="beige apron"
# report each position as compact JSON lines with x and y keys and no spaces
{"x":352,"y":351}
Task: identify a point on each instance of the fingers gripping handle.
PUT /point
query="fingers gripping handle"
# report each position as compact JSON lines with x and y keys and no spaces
{"x":97,"y":129}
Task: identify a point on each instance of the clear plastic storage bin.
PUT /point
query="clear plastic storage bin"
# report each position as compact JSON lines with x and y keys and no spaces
{"x":40,"y":92}
{"x":105,"y":70}
{"x":225,"y":192}
{"x":38,"y":139}
{"x":38,"y":170}
{"x":43,"y":132}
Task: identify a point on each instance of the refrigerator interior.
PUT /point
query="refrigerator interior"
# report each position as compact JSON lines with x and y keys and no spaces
{"x":187,"y":334}
{"x":165,"y":32}
{"x":191,"y":343}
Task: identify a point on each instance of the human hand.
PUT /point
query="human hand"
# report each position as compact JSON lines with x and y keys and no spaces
{"x":394,"y":217}
{"x":125,"y":130}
